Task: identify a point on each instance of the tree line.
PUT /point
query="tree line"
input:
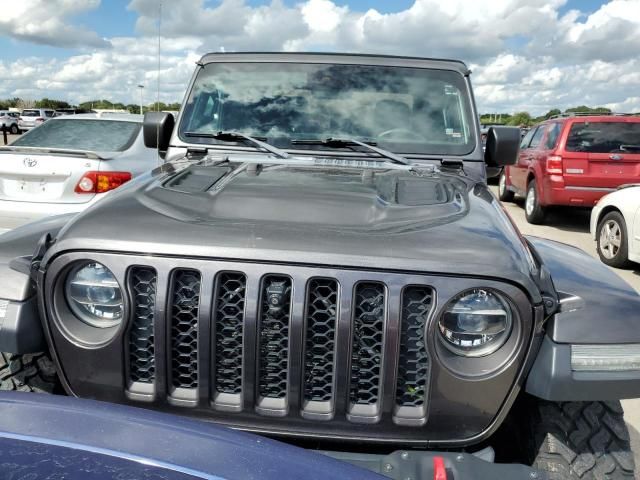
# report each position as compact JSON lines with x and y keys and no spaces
{"x":525,"y":119}
{"x":21,"y":103}
{"x":518,"y":118}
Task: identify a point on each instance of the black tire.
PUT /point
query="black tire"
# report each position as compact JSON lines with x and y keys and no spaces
{"x":580,"y":440}
{"x":504,"y":194}
{"x":535,"y":213}
{"x":28,"y":373}
{"x":609,"y":253}
{"x":14,"y":129}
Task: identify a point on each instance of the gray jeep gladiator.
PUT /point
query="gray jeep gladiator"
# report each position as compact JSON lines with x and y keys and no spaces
{"x":319,"y":260}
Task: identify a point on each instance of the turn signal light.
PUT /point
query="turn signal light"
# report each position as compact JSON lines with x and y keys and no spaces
{"x":101,"y":182}
{"x":554,"y":164}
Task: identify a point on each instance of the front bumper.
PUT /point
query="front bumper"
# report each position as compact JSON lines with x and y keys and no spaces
{"x":557,"y":377}
{"x":593,"y":221}
{"x":20,"y":327}
{"x":426,"y":465}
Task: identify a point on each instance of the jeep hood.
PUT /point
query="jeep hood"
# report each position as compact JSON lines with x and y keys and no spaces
{"x":390,"y":219}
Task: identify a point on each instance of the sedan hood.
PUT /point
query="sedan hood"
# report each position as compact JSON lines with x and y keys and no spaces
{"x":379,"y":219}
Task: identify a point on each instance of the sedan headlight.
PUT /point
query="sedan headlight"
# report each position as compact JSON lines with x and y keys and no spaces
{"x":476,"y":322}
{"x":94,"y":295}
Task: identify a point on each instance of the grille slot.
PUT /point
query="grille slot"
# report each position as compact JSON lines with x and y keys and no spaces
{"x":414,"y":363}
{"x":366,"y":353}
{"x":320,"y":315}
{"x":185,"y":305}
{"x":142,"y":285}
{"x":275,"y":312}
{"x":230,"y":300}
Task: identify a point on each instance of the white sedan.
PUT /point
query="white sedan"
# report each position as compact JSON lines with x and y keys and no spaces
{"x":68,"y":163}
{"x":615,"y":226}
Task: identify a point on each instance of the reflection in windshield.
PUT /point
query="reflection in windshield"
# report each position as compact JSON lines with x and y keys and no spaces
{"x":408,"y":109}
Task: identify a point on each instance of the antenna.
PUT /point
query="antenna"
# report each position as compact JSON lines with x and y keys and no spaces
{"x":158,"y":79}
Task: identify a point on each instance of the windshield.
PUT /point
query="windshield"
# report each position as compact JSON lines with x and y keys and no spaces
{"x":604,"y":137}
{"x":405,"y":110}
{"x":92,"y":135}
{"x":31,"y":113}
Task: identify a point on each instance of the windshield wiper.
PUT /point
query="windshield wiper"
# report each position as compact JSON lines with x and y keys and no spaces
{"x":349,"y":142}
{"x":229,"y":136}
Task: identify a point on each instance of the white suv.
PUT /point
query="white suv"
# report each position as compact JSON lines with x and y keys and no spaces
{"x":9,"y":120}
{"x":32,"y":117}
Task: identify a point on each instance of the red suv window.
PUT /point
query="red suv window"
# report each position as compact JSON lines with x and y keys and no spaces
{"x":554,"y":130}
{"x":537,"y":137}
{"x":604,"y":137}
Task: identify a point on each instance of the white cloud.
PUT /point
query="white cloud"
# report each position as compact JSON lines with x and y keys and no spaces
{"x":525,"y":54}
{"x":45,"y":22}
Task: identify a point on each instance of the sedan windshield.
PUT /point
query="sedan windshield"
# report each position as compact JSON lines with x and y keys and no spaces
{"x":91,"y":135}
{"x":405,"y":110}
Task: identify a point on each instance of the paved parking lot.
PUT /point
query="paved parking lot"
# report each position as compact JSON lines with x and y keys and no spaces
{"x":572,"y":226}
{"x":10,"y":138}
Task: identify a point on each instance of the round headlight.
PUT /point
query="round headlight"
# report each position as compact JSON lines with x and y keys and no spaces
{"x":475,"y":323}
{"x":94,"y":295}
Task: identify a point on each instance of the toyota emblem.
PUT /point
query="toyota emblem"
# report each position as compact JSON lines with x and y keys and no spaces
{"x":30,"y":162}
{"x":615,"y":156}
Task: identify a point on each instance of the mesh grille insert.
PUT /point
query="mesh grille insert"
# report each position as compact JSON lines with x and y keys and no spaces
{"x":322,"y":305}
{"x":413,"y":365}
{"x":185,"y":302}
{"x":229,"y":312}
{"x":142,"y":285}
{"x":275,"y":307}
{"x":366,"y":355}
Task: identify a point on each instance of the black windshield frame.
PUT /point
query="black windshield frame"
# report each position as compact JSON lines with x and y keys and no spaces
{"x":454,"y":80}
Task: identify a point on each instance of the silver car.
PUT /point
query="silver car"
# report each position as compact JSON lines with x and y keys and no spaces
{"x":69,"y":163}
{"x":9,"y":120}
{"x":33,"y":117}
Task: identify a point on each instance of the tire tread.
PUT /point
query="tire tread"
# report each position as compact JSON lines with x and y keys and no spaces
{"x":28,"y":373}
{"x":581,"y":440}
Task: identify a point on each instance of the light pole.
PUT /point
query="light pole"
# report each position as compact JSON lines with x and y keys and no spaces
{"x":141,"y":87}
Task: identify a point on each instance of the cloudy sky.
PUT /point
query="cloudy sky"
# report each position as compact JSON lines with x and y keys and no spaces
{"x":525,"y":54}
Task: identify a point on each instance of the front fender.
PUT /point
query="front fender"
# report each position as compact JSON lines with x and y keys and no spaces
{"x":20,"y":326}
{"x":591,"y":350}
{"x":597,"y":306}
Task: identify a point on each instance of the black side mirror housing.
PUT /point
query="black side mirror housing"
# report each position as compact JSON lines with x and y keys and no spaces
{"x":156,"y":130}
{"x":503,"y":144}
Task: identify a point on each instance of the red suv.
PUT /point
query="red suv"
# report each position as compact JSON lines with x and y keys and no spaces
{"x":573,"y":160}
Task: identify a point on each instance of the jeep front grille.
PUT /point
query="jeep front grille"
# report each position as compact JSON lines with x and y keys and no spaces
{"x":142,"y":285}
{"x":275,"y":313}
{"x":320,"y":331}
{"x":184,"y":307}
{"x":366,"y":349}
{"x":281,"y":341}
{"x":230,"y":294}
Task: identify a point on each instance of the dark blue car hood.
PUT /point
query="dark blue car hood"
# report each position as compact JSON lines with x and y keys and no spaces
{"x":42,"y":435}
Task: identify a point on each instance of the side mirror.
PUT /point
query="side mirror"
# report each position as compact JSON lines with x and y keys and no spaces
{"x":156,"y":130}
{"x":503,"y":144}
